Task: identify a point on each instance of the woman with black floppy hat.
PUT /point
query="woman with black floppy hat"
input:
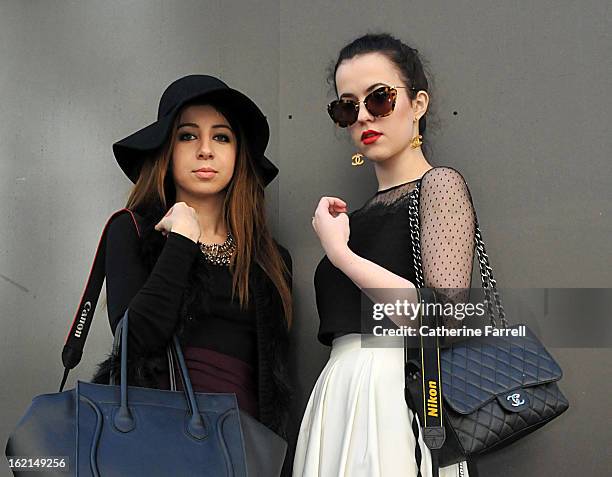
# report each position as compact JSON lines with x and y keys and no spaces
{"x":201,"y":262}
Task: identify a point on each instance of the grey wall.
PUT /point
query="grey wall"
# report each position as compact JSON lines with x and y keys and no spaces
{"x":520,"y":105}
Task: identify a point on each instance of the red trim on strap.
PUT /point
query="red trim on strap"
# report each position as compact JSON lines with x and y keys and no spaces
{"x":115,"y":214}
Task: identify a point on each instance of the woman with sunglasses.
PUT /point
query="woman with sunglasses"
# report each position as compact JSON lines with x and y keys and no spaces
{"x":195,"y":256}
{"x":356,"y":421}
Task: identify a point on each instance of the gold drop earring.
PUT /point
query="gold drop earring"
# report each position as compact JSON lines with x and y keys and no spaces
{"x":357,"y":160}
{"x":416,"y":141}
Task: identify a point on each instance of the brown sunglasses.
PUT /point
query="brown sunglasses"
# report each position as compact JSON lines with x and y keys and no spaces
{"x":379,"y":103}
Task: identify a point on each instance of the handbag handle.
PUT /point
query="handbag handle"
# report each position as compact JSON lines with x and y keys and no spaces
{"x":112,"y":381}
{"x":489,"y":284}
{"x":171,"y":374}
{"x":124,"y":420}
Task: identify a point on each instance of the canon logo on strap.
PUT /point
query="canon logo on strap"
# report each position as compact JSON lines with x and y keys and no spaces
{"x":79,"y":328}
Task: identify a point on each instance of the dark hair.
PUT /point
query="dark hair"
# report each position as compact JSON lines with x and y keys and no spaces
{"x":244,"y":214}
{"x":406,"y":59}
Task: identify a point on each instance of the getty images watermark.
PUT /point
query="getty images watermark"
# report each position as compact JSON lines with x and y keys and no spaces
{"x":558,"y":317}
{"x":445,"y":312}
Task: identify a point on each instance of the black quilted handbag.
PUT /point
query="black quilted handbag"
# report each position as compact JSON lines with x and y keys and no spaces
{"x":494,"y":390}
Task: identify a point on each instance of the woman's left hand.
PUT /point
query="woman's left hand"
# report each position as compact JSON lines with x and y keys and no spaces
{"x":331,"y":223}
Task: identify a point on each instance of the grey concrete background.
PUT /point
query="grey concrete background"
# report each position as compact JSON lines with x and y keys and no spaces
{"x":520,"y":105}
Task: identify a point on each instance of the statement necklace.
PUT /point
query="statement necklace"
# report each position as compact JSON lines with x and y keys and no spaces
{"x":219,"y":253}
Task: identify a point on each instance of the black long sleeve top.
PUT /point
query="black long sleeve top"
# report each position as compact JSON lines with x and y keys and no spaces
{"x":257,"y":335}
{"x":154,"y":301}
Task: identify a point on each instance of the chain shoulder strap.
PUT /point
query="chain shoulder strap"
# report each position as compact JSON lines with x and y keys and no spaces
{"x":489,"y":284}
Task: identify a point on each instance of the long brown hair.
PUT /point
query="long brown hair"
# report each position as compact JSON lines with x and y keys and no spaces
{"x":243,"y":211}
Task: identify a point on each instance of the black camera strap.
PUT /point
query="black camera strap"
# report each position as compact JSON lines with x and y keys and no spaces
{"x":423,"y":383}
{"x":77,"y":335}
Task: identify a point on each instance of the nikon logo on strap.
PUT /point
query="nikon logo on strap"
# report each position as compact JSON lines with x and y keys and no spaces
{"x":433,"y":399}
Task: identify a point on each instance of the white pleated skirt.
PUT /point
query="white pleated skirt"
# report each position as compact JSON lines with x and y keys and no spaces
{"x":356,"y":423}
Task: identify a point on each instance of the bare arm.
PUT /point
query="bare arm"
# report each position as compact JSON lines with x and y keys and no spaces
{"x":377,"y":283}
{"x":370,"y":277}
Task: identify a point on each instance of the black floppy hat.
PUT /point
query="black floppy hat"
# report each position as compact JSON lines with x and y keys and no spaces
{"x":131,"y":151}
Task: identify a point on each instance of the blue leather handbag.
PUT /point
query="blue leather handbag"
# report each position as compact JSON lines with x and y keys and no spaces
{"x":120,"y":430}
{"x":111,"y":431}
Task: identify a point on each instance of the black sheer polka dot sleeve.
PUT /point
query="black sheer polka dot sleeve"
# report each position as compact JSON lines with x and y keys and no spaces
{"x":447,"y":219}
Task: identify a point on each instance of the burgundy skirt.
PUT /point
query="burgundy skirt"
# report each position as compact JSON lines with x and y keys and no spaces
{"x":214,"y":372}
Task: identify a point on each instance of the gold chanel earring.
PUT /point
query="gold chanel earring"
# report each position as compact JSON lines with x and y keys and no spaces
{"x":357,"y":160}
{"x":416,"y":141}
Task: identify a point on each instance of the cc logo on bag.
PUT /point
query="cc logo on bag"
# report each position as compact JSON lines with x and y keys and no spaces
{"x":516,"y":400}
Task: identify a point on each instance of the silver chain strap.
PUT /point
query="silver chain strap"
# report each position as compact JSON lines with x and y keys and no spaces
{"x":489,"y":284}
{"x":483,"y":260}
{"x":485,"y":279}
{"x":415,"y":235}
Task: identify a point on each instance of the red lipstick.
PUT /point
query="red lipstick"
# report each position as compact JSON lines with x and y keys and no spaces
{"x":370,"y":136}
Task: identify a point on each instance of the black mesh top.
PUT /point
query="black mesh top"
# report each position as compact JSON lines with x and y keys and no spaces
{"x":380,"y":232}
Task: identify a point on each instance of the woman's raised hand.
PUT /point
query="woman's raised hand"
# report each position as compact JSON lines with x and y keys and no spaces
{"x":331,"y":223}
{"x":181,"y":219}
